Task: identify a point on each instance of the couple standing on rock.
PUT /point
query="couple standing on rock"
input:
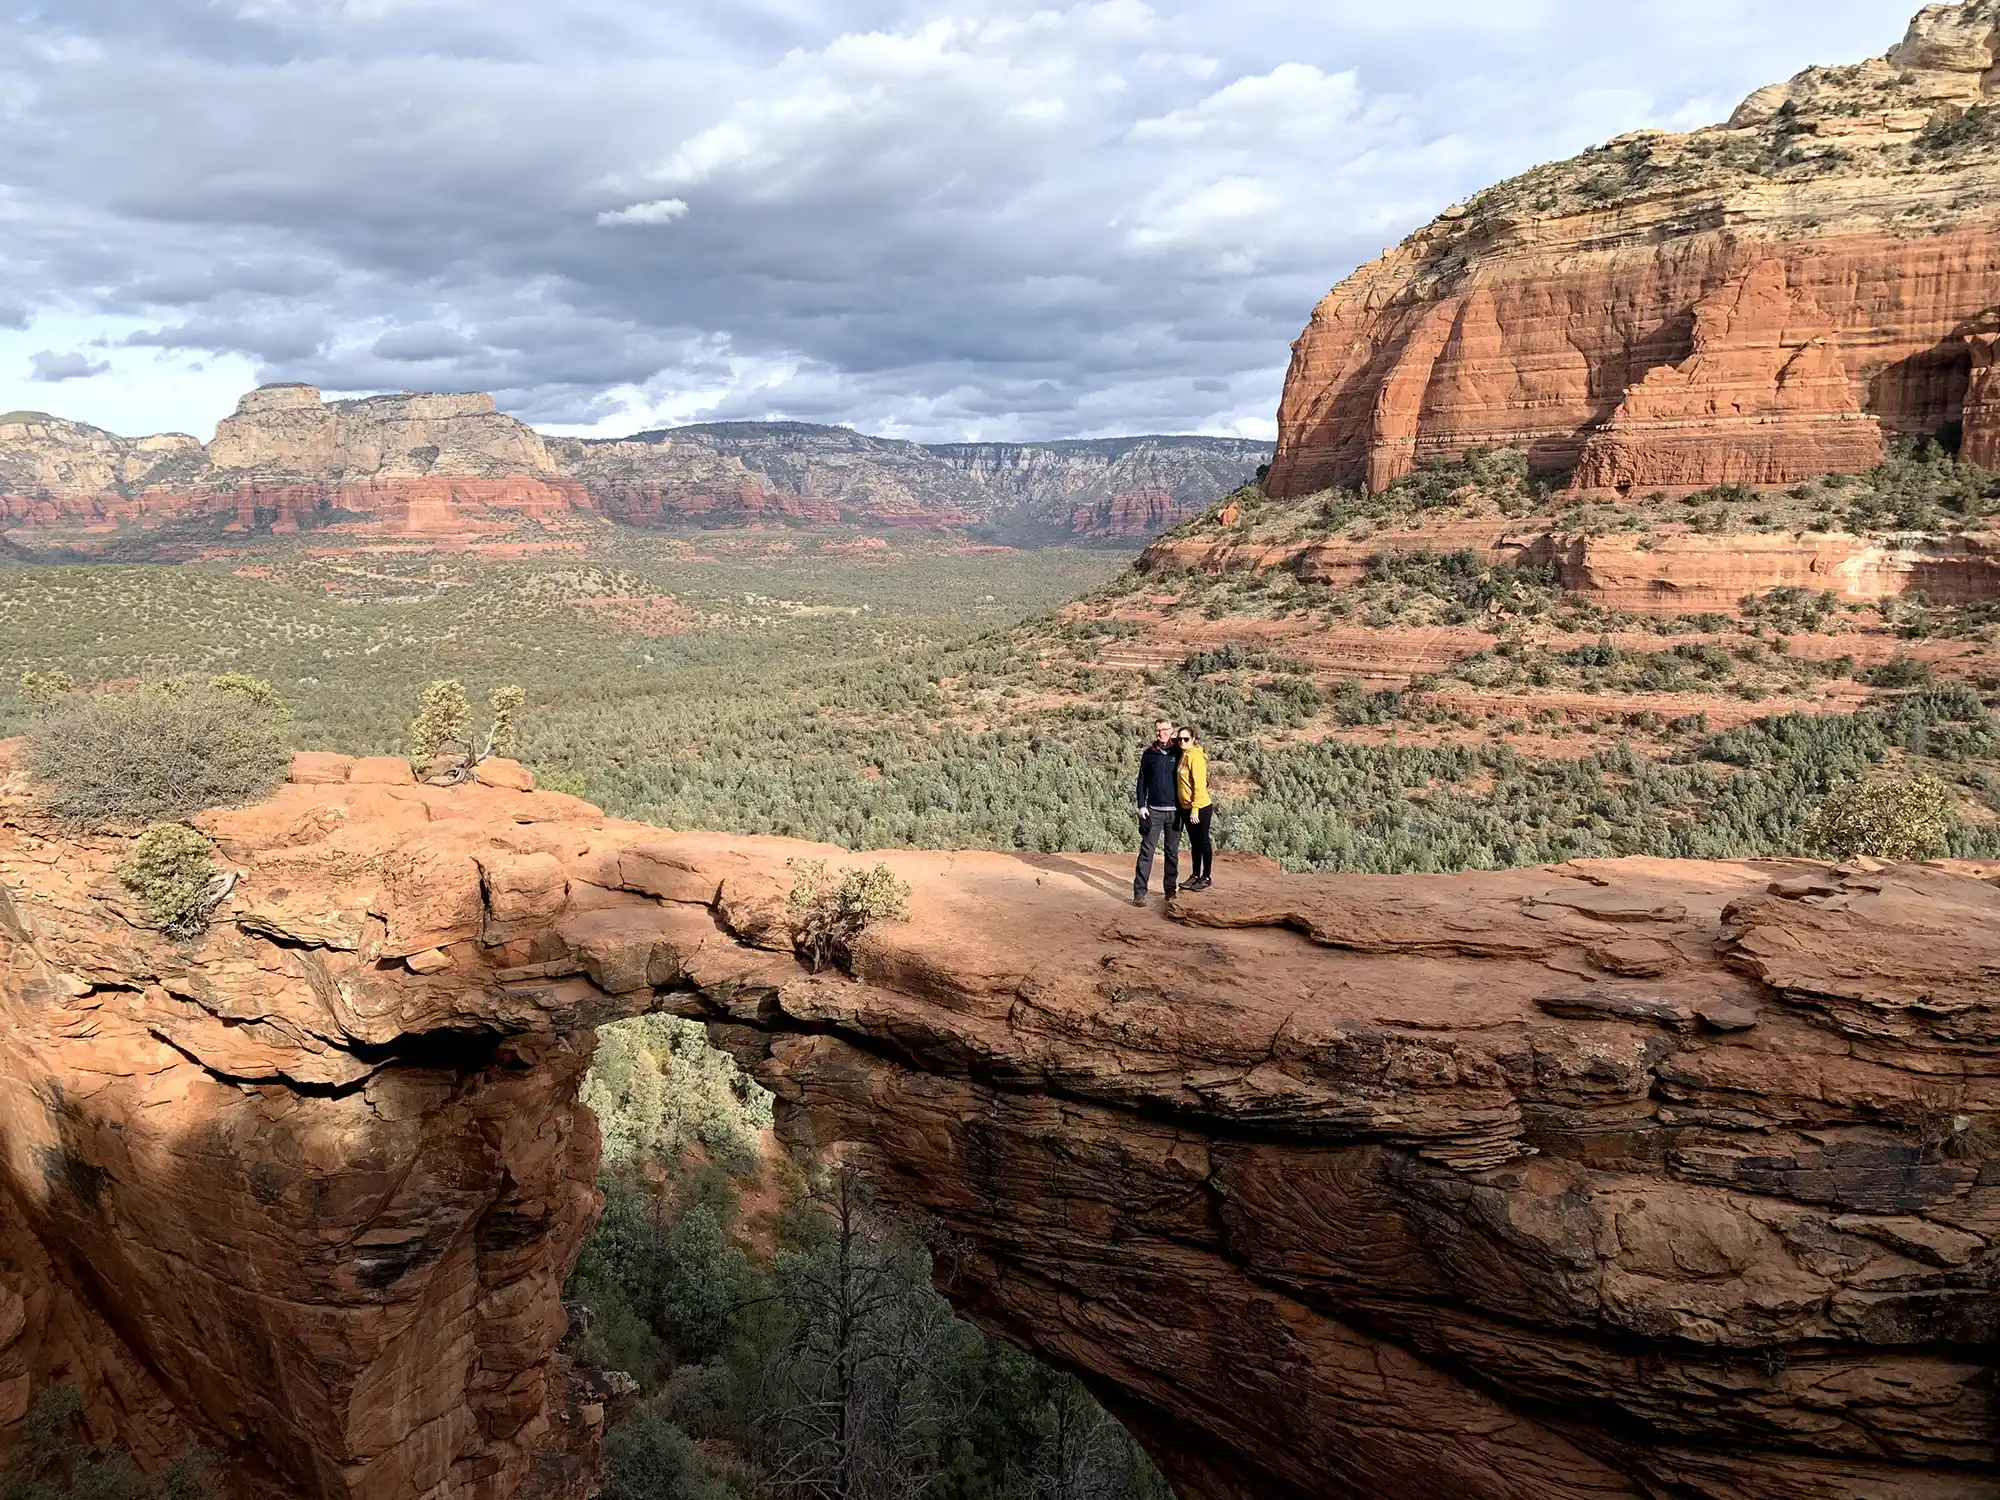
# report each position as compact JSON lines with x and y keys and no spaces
{"x":1173,"y":794}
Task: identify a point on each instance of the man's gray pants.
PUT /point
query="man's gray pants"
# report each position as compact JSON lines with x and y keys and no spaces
{"x":1158,"y":821}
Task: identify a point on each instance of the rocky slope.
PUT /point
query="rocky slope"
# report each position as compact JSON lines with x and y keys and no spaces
{"x":1752,"y":303}
{"x":1609,"y":1180}
{"x":1479,"y":610}
{"x":452,"y":466}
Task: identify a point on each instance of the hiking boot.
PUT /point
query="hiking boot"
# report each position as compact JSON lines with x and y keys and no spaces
{"x":1138,"y":898}
{"x":1199,"y":883}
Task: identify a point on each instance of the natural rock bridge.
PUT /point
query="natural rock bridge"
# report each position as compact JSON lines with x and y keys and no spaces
{"x":1631,"y":1178}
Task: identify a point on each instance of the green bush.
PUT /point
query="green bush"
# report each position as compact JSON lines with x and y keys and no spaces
{"x":1888,"y":815}
{"x":156,"y":753}
{"x":1899,"y":672}
{"x":646,"y":1457}
{"x":262,"y":697}
{"x":829,"y":913}
{"x":658,"y":1089}
{"x":443,"y":724}
{"x":172,"y":871}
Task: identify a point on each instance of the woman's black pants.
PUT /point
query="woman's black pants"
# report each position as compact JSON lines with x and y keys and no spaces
{"x":1201,"y":843}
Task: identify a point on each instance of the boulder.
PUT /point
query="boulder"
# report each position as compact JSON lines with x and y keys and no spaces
{"x":382,"y":770}
{"x":320,"y":768}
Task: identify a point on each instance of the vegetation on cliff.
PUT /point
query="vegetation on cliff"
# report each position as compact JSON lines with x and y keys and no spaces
{"x":171,"y":869}
{"x":1922,"y":485}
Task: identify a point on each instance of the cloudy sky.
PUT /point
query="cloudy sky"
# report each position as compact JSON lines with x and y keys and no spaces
{"x":928,"y":218}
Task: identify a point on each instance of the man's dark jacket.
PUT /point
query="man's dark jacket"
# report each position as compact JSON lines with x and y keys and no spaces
{"x":1157,"y":770}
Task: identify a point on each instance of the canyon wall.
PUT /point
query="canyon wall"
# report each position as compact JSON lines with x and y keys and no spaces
{"x":1614,"y":1179}
{"x":1754,"y":303}
{"x":442,"y":466}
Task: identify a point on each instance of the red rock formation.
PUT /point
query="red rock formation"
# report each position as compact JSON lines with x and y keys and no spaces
{"x":738,"y":505}
{"x":1370,"y":392}
{"x":410,"y":507}
{"x":1981,"y":442}
{"x":323,"y":1203}
{"x":1617,"y":1179}
{"x":446,"y":467}
{"x":919,"y":518}
{"x":1481,"y":1186}
{"x":1750,"y":303}
{"x":1131,"y":513}
{"x":1763,"y":385}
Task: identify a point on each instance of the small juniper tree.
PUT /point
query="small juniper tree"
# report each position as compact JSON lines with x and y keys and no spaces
{"x":443,"y":731}
{"x":443,"y":722}
{"x":829,"y":911}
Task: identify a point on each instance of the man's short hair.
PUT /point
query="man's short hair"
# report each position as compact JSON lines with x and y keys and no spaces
{"x":1167,"y":723}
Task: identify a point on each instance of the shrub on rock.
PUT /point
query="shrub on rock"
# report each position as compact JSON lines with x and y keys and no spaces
{"x":159,"y":752}
{"x":442,"y":740}
{"x":172,"y":871}
{"x":829,"y":911}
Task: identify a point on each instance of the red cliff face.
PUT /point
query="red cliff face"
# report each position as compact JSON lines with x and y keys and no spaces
{"x":1755,"y":303}
{"x":1131,"y":513}
{"x":1618,"y":1179}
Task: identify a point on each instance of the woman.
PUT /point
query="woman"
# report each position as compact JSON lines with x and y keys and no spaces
{"x":1197,"y":810}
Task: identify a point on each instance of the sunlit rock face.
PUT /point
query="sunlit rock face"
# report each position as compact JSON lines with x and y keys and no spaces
{"x":1754,"y":303}
{"x":1621,"y":1178}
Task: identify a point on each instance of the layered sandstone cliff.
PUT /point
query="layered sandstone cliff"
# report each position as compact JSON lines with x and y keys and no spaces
{"x":1616,"y":1179}
{"x":1753,"y":303}
{"x":431,"y":465}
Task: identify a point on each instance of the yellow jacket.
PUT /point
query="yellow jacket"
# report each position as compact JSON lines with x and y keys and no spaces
{"x":1191,"y":781}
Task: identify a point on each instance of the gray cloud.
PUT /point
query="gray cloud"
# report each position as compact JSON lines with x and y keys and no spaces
{"x":68,"y":364}
{"x":930,"y":218}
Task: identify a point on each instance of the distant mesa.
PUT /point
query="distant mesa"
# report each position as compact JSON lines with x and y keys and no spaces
{"x":279,"y":397}
{"x":1753,"y":303}
{"x":451,"y":468}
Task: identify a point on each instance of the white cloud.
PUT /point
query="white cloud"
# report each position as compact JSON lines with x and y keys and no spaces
{"x":659,"y":211}
{"x":933,"y":217}
{"x":1293,"y":103}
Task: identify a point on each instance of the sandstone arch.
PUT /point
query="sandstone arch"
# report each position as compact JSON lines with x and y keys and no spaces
{"x":1630,"y":1178}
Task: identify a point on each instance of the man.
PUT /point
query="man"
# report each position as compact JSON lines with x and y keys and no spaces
{"x":1159,"y":810}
